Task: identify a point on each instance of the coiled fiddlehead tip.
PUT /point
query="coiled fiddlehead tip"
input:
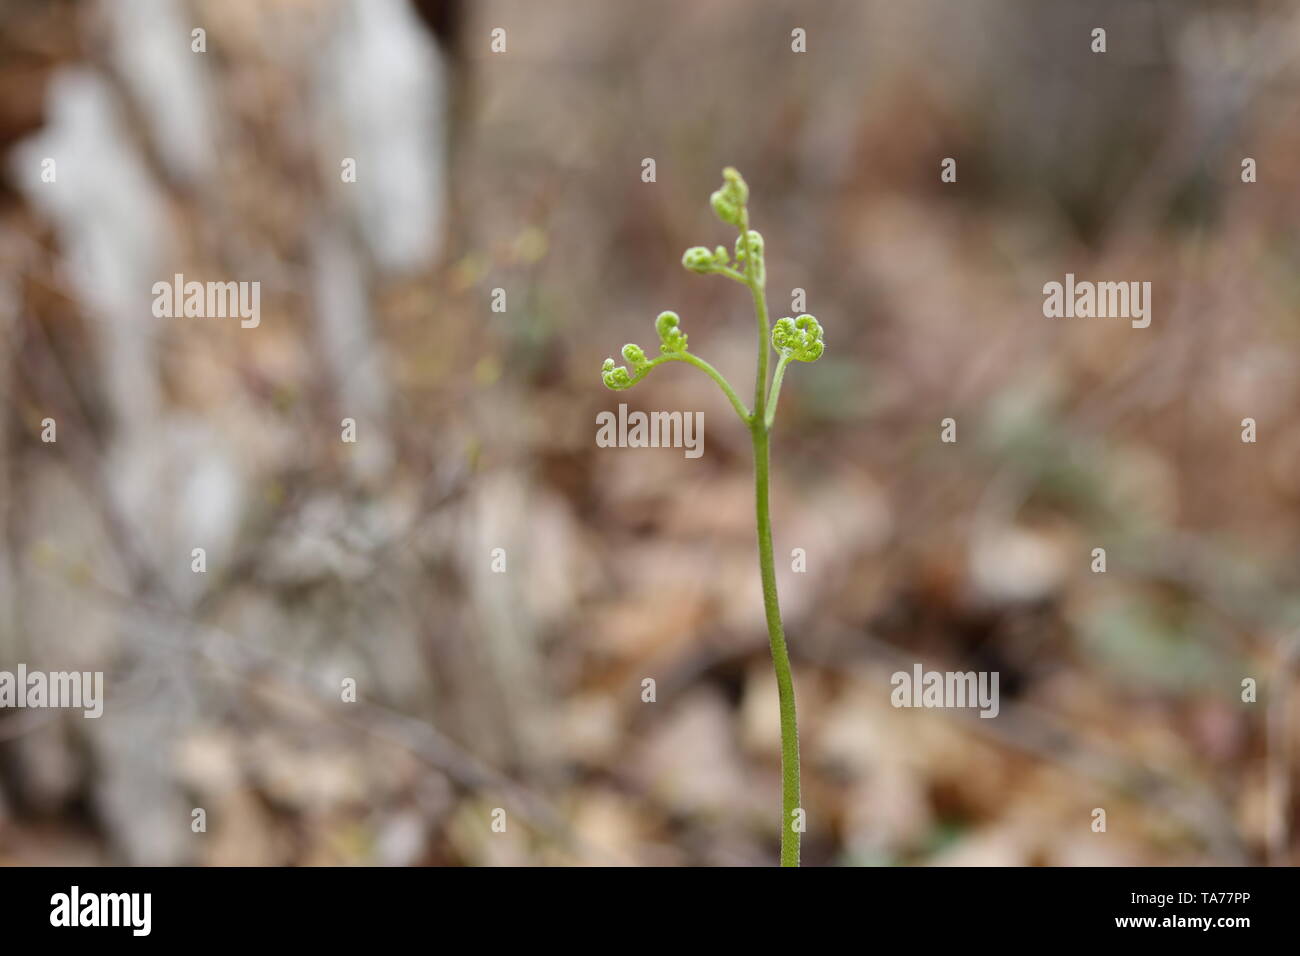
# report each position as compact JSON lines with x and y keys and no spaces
{"x":698,"y":259}
{"x":634,"y":355}
{"x":730,"y":199}
{"x":733,"y":181}
{"x":752,"y":241}
{"x":799,"y":339}
{"x":701,"y":260}
{"x":615,"y":377}
{"x":672,"y":338}
{"x":755,"y":243}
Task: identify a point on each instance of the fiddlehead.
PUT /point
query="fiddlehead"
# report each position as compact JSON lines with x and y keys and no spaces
{"x":799,"y":339}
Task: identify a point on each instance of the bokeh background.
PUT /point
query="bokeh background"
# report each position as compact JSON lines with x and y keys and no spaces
{"x":521,"y":171}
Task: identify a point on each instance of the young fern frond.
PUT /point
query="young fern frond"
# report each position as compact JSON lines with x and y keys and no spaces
{"x":798,"y":340}
{"x":793,"y":339}
{"x":673,"y":349}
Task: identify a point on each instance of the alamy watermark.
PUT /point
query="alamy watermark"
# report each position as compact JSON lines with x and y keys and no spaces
{"x":1101,"y":300}
{"x":75,"y":908}
{"x":923,"y":688}
{"x":208,"y":300}
{"x":651,"y":430}
{"x":82,"y":690}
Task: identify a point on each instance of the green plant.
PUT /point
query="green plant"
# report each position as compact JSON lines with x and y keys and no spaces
{"x":793,"y":339}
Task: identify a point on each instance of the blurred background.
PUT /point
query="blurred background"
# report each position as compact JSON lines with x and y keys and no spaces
{"x":521,"y":171}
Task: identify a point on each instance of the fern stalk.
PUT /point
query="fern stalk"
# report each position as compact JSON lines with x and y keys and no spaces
{"x":793,"y":340}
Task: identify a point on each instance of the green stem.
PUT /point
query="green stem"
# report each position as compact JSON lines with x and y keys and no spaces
{"x":759,"y":429}
{"x":732,"y":274}
{"x":775,"y":394}
{"x":780,"y":655}
{"x":704,"y":367}
{"x":760,"y":312}
{"x":717,"y":376}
